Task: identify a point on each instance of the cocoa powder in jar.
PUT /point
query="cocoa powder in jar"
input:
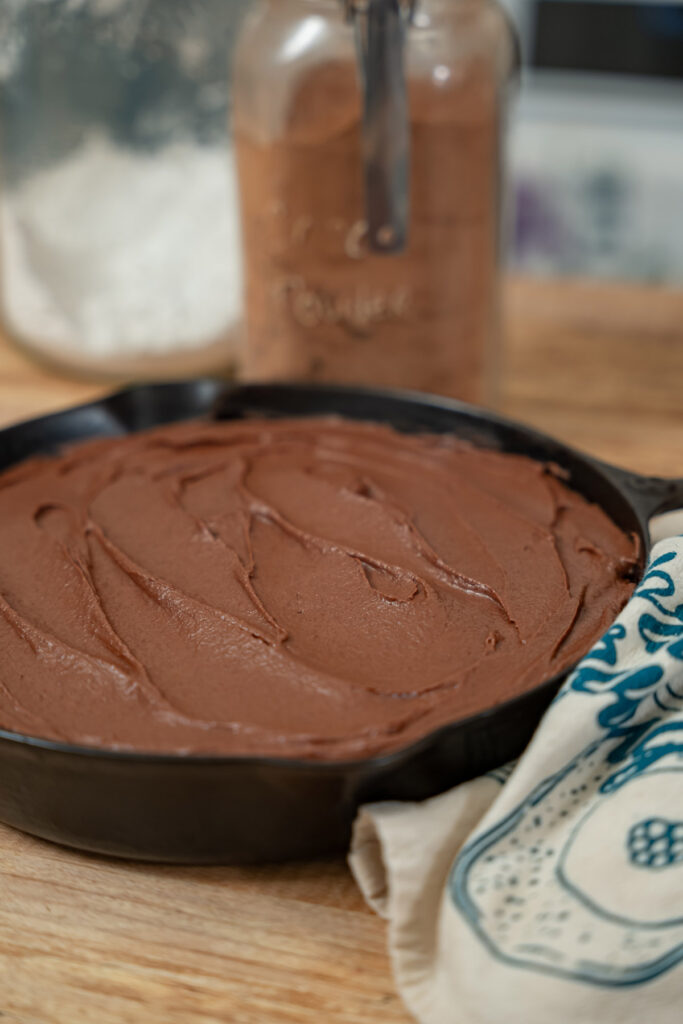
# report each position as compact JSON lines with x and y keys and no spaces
{"x":319,"y":304}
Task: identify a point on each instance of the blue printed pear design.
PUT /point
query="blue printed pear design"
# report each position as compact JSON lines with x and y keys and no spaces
{"x":584,"y":878}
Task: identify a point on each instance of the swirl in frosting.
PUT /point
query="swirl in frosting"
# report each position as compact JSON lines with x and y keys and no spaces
{"x":308,"y":588}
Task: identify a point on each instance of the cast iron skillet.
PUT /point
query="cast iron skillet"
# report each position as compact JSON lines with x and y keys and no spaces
{"x":250,"y":809}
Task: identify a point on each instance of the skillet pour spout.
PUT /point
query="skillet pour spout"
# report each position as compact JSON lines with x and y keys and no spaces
{"x":246,"y":809}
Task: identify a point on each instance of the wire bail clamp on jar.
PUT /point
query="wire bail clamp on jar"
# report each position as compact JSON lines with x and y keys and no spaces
{"x":380,"y":29}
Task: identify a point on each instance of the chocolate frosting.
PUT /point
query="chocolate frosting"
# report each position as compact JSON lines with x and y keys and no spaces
{"x":312,"y":588}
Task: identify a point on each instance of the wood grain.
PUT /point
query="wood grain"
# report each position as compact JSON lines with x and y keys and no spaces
{"x":84,"y":940}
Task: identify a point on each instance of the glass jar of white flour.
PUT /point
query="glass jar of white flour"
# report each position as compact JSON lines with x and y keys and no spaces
{"x":119,"y":237}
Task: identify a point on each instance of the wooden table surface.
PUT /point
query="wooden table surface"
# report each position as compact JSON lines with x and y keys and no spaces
{"x":85,"y":940}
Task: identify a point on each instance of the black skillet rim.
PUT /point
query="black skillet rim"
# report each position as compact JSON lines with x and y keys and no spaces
{"x":379,"y":762}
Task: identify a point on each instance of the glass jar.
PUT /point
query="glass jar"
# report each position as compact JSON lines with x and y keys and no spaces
{"x":369,"y":159}
{"x":120,"y":252}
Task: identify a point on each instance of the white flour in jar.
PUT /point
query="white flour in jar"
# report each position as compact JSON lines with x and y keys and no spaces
{"x":114,"y":253}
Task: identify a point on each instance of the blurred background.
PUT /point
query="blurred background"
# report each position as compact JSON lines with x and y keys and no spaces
{"x":117,"y":172}
{"x":597,"y":138}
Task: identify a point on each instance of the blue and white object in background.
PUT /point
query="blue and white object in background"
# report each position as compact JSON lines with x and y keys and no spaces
{"x":596,"y":147}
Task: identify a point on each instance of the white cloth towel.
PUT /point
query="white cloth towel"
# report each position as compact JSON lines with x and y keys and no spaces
{"x":552,"y":890}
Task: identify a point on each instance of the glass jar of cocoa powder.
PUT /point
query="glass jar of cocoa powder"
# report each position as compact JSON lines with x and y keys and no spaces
{"x":368,"y":138}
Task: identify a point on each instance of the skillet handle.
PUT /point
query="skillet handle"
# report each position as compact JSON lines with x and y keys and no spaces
{"x":650,"y":494}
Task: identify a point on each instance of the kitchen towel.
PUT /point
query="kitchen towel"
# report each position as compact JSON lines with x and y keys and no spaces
{"x":552,"y":890}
